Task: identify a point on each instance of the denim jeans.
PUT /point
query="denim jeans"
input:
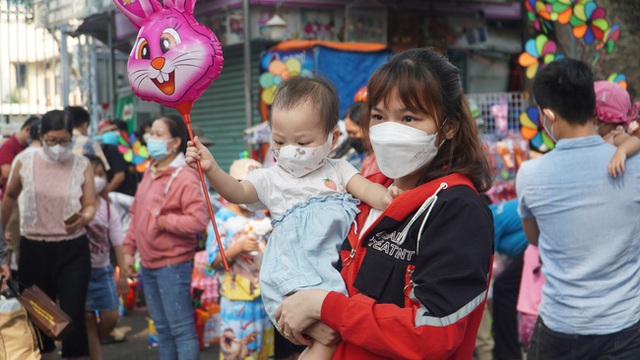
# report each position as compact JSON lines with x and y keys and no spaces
{"x":547,"y":344}
{"x":168,"y":295}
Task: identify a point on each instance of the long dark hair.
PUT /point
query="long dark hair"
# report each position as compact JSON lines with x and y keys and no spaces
{"x":426,"y":82}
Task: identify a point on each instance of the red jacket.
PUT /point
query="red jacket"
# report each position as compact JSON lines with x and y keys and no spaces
{"x":409,"y":302}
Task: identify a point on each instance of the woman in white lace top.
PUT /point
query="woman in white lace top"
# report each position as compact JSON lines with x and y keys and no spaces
{"x":55,"y":191}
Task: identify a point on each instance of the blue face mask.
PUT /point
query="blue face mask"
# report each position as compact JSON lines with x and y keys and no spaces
{"x":157,"y":149}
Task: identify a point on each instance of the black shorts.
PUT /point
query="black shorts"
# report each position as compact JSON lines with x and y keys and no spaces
{"x":61,"y":269}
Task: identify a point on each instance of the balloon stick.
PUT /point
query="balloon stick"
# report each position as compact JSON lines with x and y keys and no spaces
{"x":185,"y":111}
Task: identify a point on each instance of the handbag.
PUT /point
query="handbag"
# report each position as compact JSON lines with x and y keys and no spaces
{"x":44,"y":313}
{"x":17,"y":336}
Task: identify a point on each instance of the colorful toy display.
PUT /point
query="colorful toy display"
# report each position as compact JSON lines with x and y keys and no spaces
{"x":618,"y":78}
{"x":588,"y":21}
{"x":538,"y":52}
{"x":533,"y":130}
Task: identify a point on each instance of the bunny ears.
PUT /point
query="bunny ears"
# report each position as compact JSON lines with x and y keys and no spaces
{"x":139,"y":11}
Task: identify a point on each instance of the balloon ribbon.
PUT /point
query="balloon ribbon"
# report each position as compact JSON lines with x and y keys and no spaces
{"x":185,"y":111}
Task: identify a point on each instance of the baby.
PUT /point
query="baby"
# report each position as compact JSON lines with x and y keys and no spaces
{"x":614,"y":112}
{"x":308,"y":194}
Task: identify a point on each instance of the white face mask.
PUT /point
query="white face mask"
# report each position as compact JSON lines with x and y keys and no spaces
{"x":299,"y":161}
{"x":549,"y":129}
{"x":100,"y":184}
{"x":146,"y":137}
{"x":57,"y":153}
{"x":400,"y":149}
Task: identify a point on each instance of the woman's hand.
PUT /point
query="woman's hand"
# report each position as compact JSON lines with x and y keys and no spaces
{"x":298,"y":312}
{"x":5,"y":275}
{"x":161,"y":221}
{"x":198,"y":152}
{"x":129,"y":269}
{"x":81,"y":220}
{"x":122,"y":286}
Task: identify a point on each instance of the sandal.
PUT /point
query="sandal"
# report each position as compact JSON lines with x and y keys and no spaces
{"x":116,"y":336}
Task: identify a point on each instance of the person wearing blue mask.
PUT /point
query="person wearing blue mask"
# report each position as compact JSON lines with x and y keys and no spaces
{"x":167,"y":213}
{"x":121,"y":177}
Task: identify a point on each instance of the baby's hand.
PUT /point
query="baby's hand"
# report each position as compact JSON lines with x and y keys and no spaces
{"x":392,"y":193}
{"x":616,"y":165}
{"x":198,"y":152}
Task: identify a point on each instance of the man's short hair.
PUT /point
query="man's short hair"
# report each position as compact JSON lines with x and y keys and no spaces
{"x":566,"y":87}
{"x":79,"y":115}
{"x":30,"y":121}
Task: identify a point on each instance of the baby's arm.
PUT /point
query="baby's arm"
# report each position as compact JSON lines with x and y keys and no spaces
{"x":227,"y":186}
{"x":376,"y":195}
{"x":629,"y":146}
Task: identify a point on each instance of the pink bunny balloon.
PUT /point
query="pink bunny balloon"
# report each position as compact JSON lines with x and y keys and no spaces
{"x":174,"y":58}
{"x":172,"y":62}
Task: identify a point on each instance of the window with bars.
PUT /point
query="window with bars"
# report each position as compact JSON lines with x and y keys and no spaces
{"x":21,"y":75}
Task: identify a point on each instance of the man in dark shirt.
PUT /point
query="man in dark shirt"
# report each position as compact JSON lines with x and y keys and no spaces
{"x":120,"y":176}
{"x":12,"y":147}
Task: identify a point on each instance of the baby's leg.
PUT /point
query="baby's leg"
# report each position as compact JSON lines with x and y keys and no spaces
{"x":318,"y":350}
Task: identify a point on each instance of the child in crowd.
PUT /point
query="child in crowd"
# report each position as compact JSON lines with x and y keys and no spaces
{"x":104,"y":232}
{"x":307,"y":194}
{"x":614,"y":113}
{"x":247,"y":332}
{"x":530,"y":294}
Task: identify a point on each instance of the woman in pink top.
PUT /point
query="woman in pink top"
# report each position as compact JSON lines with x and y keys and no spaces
{"x":167,"y":213}
{"x":57,"y":200}
{"x":530,"y":294}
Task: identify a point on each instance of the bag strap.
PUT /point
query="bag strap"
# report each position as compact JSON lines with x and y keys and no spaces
{"x":13,"y":288}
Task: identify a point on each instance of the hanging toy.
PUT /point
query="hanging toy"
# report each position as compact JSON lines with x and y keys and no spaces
{"x":173,"y":61}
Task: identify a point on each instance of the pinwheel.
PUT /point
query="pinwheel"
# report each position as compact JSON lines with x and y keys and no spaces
{"x":539,"y":52}
{"x":618,"y":78}
{"x":544,"y":10}
{"x":538,"y":22}
{"x":609,"y":38}
{"x":588,"y":21}
{"x":134,"y":153}
{"x":561,"y":10}
{"x":278,"y":71}
{"x":608,"y":42}
{"x":533,"y":130}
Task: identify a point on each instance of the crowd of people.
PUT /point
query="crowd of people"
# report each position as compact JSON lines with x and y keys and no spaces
{"x":392,"y":258}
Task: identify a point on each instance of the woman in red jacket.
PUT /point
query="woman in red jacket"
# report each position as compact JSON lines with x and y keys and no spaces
{"x":417,"y":272}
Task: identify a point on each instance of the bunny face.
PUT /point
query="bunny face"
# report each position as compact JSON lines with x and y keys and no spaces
{"x":174,"y":58}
